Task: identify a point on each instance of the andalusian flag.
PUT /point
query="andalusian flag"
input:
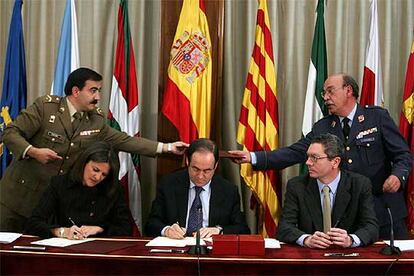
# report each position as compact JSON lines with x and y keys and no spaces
{"x":123,"y":110}
{"x":187,"y":96}
{"x":14,"y":94}
{"x":372,"y":92}
{"x":68,"y":53}
{"x":315,"y":107}
{"x":259,"y":124}
{"x":407,"y":130}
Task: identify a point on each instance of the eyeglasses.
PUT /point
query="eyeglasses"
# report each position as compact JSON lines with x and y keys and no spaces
{"x":330,"y":91}
{"x":315,"y":158}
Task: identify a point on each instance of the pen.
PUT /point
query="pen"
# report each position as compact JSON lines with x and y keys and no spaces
{"x":71,"y":221}
{"x":336,"y":224}
{"x":41,"y":248}
{"x":167,"y":250}
{"x":341,"y":254}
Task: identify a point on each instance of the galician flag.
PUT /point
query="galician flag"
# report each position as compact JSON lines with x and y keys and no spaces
{"x":259,"y":124}
{"x":187,"y":96}
{"x":407,"y":130}
{"x":68,"y":53}
{"x":124,"y":112}
{"x":372,"y":92}
{"x":315,"y":108}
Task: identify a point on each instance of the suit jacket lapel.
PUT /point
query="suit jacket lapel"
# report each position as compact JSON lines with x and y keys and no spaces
{"x":313,"y":202}
{"x":215,"y":202}
{"x":181,"y":195}
{"x":342,"y":199}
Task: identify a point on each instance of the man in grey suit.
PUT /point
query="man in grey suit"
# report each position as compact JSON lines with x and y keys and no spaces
{"x":195,"y":198}
{"x":350,"y":199}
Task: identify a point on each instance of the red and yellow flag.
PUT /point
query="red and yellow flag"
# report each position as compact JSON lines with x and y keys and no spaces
{"x":259,"y":125}
{"x":407,"y":130}
{"x":187,"y":97}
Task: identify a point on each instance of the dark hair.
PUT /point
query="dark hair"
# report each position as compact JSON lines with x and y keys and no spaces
{"x":332,"y":144}
{"x":203,"y":144}
{"x":79,"y":77}
{"x":100,"y":152}
{"x":348,"y":80}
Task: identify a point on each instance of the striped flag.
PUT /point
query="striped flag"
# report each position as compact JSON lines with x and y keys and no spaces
{"x":14,"y":94}
{"x":259,"y":124}
{"x":124,"y":112}
{"x":407,"y":130}
{"x":187,"y":96}
{"x":372,"y":92}
{"x":315,"y":108}
{"x":68,"y":53}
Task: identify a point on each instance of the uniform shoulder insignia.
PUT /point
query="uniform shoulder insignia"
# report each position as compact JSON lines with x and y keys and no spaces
{"x":51,"y":99}
{"x":99,"y":111}
{"x":372,"y":107}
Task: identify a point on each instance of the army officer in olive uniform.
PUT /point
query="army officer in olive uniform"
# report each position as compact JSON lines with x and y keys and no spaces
{"x":48,"y":136}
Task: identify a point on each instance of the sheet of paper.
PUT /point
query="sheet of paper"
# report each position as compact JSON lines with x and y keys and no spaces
{"x":167,"y":242}
{"x":8,"y":237}
{"x":59,"y":242}
{"x":404,"y":245}
{"x":271,"y":243}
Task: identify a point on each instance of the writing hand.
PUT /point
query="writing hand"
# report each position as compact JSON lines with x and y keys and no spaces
{"x":175,"y":232}
{"x":43,"y":155}
{"x":75,"y":233}
{"x":207,"y":232}
{"x":90,"y":230}
{"x":240,"y":156}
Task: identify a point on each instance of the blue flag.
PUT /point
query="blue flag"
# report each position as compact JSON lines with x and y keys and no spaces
{"x":68,"y":52}
{"x":14,"y":93}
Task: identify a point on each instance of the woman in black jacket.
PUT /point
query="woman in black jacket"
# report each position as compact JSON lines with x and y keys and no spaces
{"x":88,"y":201}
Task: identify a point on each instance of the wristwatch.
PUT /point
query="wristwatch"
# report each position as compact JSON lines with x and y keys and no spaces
{"x":61,"y":232}
{"x":220,"y":229}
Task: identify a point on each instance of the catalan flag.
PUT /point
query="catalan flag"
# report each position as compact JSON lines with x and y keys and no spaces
{"x":407,"y":130}
{"x":259,"y":124}
{"x":187,"y":96}
{"x":372,"y":92}
{"x":14,"y":94}
{"x":124,"y":113}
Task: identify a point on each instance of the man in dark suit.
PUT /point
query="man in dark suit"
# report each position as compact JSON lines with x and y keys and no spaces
{"x":374,"y":148}
{"x":179,"y":210}
{"x":349,"y":197}
{"x":46,"y":139}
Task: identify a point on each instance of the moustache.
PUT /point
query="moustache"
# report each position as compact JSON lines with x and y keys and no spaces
{"x":94,"y":102}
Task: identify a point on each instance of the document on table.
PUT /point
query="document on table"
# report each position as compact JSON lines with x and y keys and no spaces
{"x":60,"y":242}
{"x":404,"y":245}
{"x":164,"y":241}
{"x":271,"y":243}
{"x":9,"y":237}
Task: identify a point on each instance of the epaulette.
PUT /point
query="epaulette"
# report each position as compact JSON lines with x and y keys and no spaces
{"x":99,"y":111}
{"x":51,"y":99}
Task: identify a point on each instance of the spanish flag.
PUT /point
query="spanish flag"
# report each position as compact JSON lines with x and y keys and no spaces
{"x":407,"y":130}
{"x":259,"y":124}
{"x":187,"y":96}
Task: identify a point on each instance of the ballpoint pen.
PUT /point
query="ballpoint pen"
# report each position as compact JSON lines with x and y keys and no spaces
{"x":71,"y":221}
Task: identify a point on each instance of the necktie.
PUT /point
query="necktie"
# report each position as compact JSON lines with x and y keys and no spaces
{"x":346,"y":128}
{"x":326,"y":210}
{"x":195,"y":217}
{"x":76,"y":122}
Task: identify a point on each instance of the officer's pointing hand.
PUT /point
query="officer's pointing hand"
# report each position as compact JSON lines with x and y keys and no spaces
{"x":43,"y":155}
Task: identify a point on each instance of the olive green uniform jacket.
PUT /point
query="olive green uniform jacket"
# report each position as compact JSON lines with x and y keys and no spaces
{"x":47,"y":124}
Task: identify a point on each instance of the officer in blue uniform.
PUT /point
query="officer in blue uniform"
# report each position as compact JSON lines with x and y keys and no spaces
{"x":374,"y":147}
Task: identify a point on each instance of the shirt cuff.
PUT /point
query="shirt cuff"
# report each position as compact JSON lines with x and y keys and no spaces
{"x":253,"y":158}
{"x":159,"y":147}
{"x":302,"y":239}
{"x":355,"y":240}
{"x":163,"y":231}
{"x":25,"y":151}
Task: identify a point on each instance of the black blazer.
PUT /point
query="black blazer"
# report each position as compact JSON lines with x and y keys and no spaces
{"x":170,"y":205}
{"x":353,"y":208}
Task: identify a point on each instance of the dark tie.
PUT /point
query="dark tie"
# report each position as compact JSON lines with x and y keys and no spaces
{"x":195,"y":217}
{"x":346,"y":128}
{"x":76,"y":122}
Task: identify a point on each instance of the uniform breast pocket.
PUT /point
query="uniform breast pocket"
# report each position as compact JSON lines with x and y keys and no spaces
{"x":53,"y":139}
{"x":370,"y":149}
